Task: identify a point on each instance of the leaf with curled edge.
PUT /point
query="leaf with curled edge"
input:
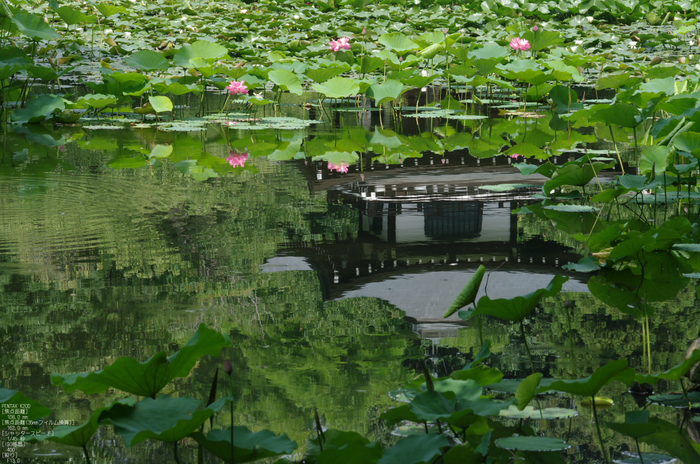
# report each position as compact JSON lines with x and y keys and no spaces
{"x":146,"y":378}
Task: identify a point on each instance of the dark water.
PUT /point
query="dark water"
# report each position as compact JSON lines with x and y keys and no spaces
{"x":120,"y":242}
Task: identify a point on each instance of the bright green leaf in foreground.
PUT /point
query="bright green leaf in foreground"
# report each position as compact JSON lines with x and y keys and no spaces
{"x":248,"y":446}
{"x":591,"y":385}
{"x":147,"y":378}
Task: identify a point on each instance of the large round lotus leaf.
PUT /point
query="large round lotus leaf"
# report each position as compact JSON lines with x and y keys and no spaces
{"x":198,"y":53}
{"x":398,"y":42}
{"x":531,"y":413}
{"x":72,"y":16}
{"x":532,"y":444}
{"x":34,"y":27}
{"x":338,"y":87}
{"x":148,"y":60}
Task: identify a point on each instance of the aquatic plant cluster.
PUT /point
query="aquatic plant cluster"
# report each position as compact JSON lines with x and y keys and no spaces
{"x":549,"y":60}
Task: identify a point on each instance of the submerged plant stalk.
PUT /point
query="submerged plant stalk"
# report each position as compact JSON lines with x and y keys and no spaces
{"x":597,"y":428}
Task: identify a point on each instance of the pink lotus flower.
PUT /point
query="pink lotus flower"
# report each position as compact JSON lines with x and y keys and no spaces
{"x":237,"y":160}
{"x":236,"y":87}
{"x":341,"y":44}
{"x":515,"y":156}
{"x":535,"y":28}
{"x":520,"y":44}
{"x":342,"y":167}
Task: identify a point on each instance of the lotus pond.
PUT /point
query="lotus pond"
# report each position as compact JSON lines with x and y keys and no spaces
{"x":349,"y":232}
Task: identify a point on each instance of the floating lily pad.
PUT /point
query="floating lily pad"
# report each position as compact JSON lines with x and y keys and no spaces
{"x":648,"y":458}
{"x":531,"y":413}
{"x":532,"y":444}
{"x":676,"y":401}
{"x":572,"y":208}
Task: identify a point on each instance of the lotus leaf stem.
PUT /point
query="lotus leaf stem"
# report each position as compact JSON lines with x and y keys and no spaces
{"x":597,"y":428}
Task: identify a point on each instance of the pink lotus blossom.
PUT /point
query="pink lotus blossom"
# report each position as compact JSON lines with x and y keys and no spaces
{"x":237,"y":87}
{"x":515,"y":156}
{"x":342,"y":167}
{"x":237,"y":160}
{"x":520,"y":44}
{"x":341,"y":44}
{"x":535,"y":28}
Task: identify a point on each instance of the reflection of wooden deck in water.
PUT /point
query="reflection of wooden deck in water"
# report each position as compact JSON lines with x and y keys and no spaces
{"x":423,"y":231}
{"x":442,"y":175}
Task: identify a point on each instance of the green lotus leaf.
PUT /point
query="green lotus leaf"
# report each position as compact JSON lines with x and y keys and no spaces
{"x":338,"y":441}
{"x":415,"y":449}
{"x":591,"y":385}
{"x":654,"y":157}
{"x":529,"y":412}
{"x":398,"y":42}
{"x":507,"y":187}
{"x":564,"y":99}
{"x":164,"y":418}
{"x":387,"y":91}
{"x":286,"y":80}
{"x":431,"y":406}
{"x":199,"y":54}
{"x":467,"y":389}
{"x":675,"y":373}
{"x":42,"y":72}
{"x":620,"y":114}
{"x":161,"y":104}
{"x":658,"y":432}
{"x":678,"y":400}
{"x":80,"y":435}
{"x":527,"y":389}
{"x":108,"y":10}
{"x":34,"y":27}
{"x":612,"y":81}
{"x":399,"y":414}
{"x":571,"y":174}
{"x":322,"y":74}
{"x":71,"y":16}
{"x":38,"y":108}
{"x":523,"y":443}
{"x":147,"y":378}
{"x":290,"y":151}
{"x":13,"y":399}
{"x":482,"y":375}
{"x":572,"y":208}
{"x":248,"y":446}
{"x":688,"y":141}
{"x":338,"y":87}
{"x":543,"y":39}
{"x":161,"y":151}
{"x":97,"y":100}
{"x":516,"y":309}
{"x":148,"y":60}
{"x":468,"y":293}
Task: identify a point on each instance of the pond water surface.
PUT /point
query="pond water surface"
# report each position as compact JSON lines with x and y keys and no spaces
{"x":329,"y":254}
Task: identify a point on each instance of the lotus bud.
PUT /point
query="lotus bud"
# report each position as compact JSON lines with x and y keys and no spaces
{"x":228,"y":368}
{"x":535,"y":28}
{"x":364,"y":31}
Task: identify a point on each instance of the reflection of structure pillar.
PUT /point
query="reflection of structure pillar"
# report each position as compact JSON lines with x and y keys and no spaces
{"x":453,"y":219}
{"x":513,"y":223}
{"x":391,"y":222}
